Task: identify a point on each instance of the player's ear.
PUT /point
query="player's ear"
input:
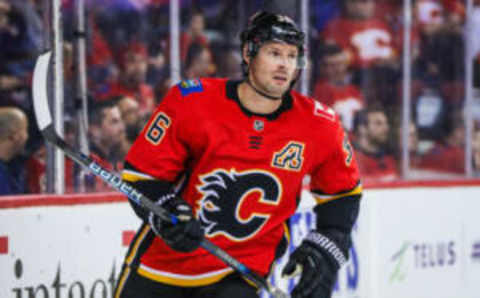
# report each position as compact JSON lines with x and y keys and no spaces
{"x":245,"y":55}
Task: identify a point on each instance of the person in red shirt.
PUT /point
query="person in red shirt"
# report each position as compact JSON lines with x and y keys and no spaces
{"x":194,"y":33}
{"x":133,"y":62}
{"x":36,"y":167}
{"x":370,"y":41}
{"x":372,"y":132}
{"x":334,"y":87}
{"x":107,"y":133}
{"x":441,"y":48}
{"x":198,"y":63}
{"x":228,"y":159}
{"x":448,"y":154}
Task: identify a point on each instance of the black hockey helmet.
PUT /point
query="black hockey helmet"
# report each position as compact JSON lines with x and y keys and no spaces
{"x":265,"y":26}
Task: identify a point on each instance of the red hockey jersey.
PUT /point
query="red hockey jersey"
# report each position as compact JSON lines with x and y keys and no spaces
{"x":344,"y":100}
{"x":368,"y":40}
{"x":245,"y":174}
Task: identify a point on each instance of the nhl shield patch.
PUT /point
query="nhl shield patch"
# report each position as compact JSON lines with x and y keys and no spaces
{"x":190,"y":86}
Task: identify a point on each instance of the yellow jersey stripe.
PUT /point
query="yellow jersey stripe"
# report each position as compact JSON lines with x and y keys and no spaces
{"x":134,"y":250}
{"x":184,"y":281}
{"x":121,"y":282}
{"x":321,"y":199}
{"x":250,"y":283}
{"x":286,"y":231}
{"x":132,"y":176}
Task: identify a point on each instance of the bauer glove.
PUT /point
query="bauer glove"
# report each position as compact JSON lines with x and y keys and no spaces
{"x":187,"y":234}
{"x":318,"y":259}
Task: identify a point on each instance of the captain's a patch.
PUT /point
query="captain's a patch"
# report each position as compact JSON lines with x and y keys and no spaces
{"x":190,"y":86}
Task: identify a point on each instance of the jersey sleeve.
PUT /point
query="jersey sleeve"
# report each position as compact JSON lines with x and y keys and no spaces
{"x":159,"y":152}
{"x":338,"y":175}
{"x":336,"y":188}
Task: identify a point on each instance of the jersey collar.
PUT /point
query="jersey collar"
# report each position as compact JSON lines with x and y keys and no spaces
{"x":232,"y":93}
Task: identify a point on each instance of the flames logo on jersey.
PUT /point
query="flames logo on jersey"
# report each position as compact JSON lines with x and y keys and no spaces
{"x":237,"y":204}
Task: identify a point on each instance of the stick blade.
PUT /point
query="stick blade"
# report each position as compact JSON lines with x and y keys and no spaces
{"x":39,"y":91}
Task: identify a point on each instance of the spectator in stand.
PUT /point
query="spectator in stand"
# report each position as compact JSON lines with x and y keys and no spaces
{"x":36,"y":165}
{"x":439,"y":24}
{"x":391,"y":11}
{"x":106,"y":131}
{"x":133,"y":121}
{"x":13,"y":137}
{"x":14,"y":35}
{"x":229,"y":65}
{"x":129,"y":110}
{"x":133,"y":62}
{"x":198,"y":63}
{"x":156,"y":69}
{"x":476,"y":151}
{"x":415,"y":153}
{"x":106,"y":135}
{"x":368,"y":40}
{"x":100,"y":59}
{"x":334,"y":87}
{"x":194,"y":32}
{"x":372,"y":46}
{"x":447,"y":155}
{"x":16,"y":55}
{"x":372,"y":131}
{"x":475,"y":41}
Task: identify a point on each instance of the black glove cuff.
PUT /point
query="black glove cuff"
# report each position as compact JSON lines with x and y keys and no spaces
{"x":328,"y":246}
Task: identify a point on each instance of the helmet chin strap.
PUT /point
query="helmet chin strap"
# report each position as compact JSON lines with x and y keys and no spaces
{"x":262,"y":93}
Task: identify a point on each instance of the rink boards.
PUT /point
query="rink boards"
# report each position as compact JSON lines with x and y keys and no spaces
{"x":410,"y":241}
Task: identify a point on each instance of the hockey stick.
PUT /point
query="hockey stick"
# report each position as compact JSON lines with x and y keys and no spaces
{"x":45,"y":124}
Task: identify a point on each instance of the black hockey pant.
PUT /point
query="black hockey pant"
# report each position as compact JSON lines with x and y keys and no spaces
{"x":137,"y":286}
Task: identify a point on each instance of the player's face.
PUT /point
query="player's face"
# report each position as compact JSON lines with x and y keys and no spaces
{"x":378,"y":128}
{"x":274,"y":67}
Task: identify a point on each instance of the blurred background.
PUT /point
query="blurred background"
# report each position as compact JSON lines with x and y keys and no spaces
{"x":404,"y":76}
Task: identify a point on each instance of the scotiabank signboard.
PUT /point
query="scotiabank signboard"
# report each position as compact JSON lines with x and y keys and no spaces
{"x":416,"y":242}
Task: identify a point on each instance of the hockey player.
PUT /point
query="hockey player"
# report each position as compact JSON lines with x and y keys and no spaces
{"x":228,"y":158}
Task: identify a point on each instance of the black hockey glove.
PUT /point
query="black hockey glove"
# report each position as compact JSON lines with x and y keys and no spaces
{"x":319,"y":259}
{"x":186,"y":235}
